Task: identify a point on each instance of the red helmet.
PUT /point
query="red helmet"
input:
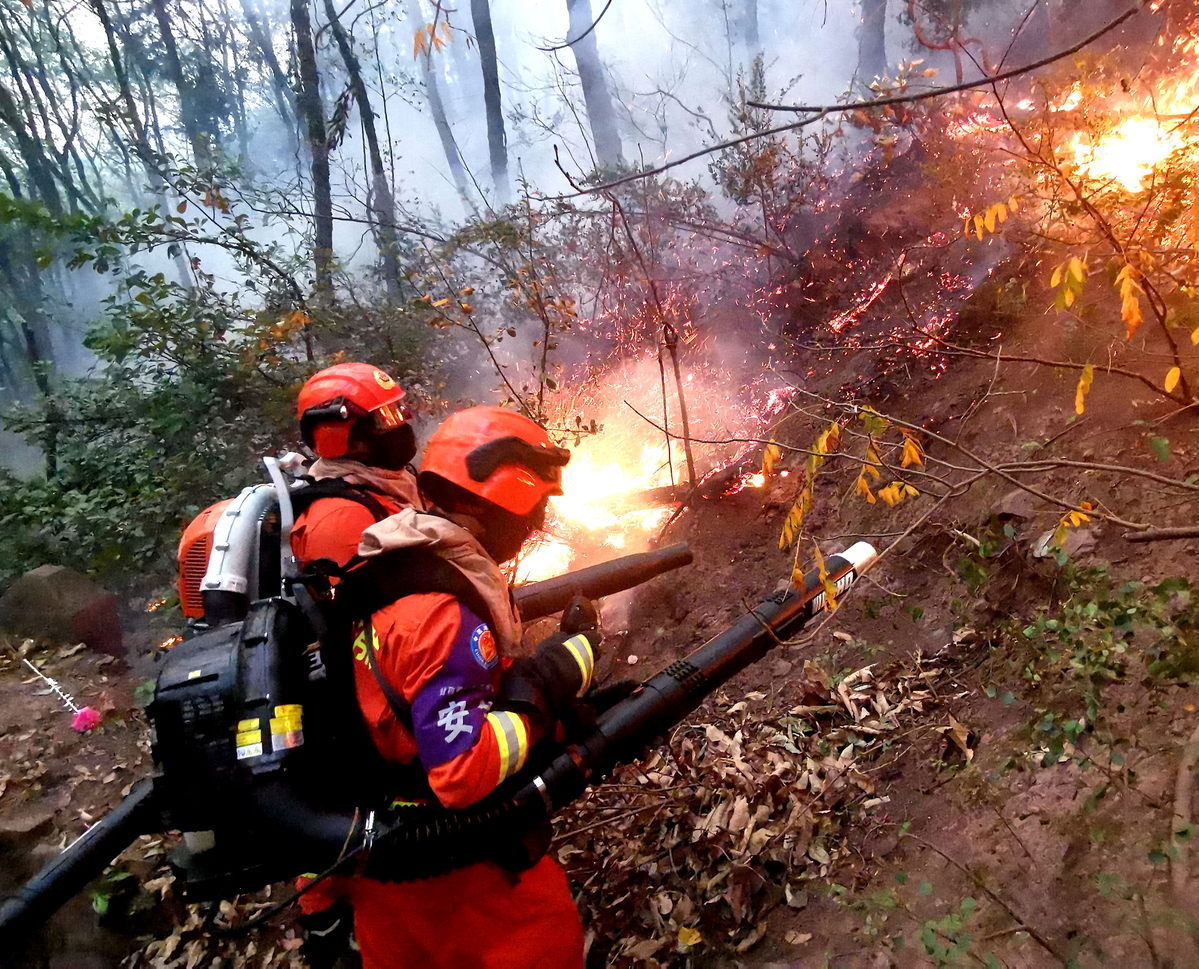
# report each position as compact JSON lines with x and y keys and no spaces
{"x":336,"y":398}
{"x":498,"y":455}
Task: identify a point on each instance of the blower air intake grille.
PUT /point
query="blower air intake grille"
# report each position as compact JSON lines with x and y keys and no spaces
{"x":194,"y":549}
{"x":195,"y":564}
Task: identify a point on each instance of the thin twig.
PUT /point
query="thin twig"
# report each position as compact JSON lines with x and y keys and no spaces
{"x":998,"y":900}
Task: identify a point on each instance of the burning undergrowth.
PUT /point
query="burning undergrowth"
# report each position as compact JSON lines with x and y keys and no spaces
{"x":630,"y":468}
{"x":743,"y":812}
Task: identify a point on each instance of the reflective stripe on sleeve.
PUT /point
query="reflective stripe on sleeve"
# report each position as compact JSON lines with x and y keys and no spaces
{"x":580,"y":648}
{"x":512,"y":739}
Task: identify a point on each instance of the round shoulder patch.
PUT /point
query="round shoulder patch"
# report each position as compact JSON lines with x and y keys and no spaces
{"x":482,"y":647}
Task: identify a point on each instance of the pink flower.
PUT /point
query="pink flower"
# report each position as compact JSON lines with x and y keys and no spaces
{"x":85,"y":719}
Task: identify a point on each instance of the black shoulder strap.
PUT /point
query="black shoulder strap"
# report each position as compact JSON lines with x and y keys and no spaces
{"x":399,"y":706}
{"x":386,"y":578}
{"x":382,"y":579}
{"x":315,"y":489}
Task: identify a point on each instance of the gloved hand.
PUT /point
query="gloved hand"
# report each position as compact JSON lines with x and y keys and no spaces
{"x":328,"y":937}
{"x":547,"y":684}
{"x":581,"y":719}
{"x":580,"y":616}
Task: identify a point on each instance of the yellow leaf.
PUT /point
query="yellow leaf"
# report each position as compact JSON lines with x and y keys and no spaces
{"x":911,"y":452}
{"x":689,"y":937}
{"x":870,"y":469}
{"x":989,"y":219}
{"x":910,"y":491}
{"x":863,"y":489}
{"x":830,"y":587}
{"x":1083,"y":388}
{"x":890,"y":495}
{"x":1001,"y":211}
{"x":794,"y":520}
{"x":1078,"y":268}
{"x":1172,"y":379}
{"x":978,"y":227}
{"x":1056,"y":279}
{"x":770,"y":455}
{"x":420,"y":43}
{"x":1130,"y":313}
{"x":966,"y":226}
{"x":441,"y":302}
{"x":1195,"y":336}
{"x":1013,"y":204}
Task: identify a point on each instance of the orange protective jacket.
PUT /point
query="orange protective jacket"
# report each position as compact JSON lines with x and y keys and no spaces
{"x":443,"y":659}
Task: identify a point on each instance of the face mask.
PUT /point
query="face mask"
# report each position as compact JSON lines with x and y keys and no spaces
{"x":392,"y":450}
{"x":504,"y":534}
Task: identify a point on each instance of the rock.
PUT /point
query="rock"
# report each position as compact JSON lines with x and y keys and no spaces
{"x":23,"y":824}
{"x":1079,"y":541}
{"x":1018,"y":503}
{"x":55,"y":602}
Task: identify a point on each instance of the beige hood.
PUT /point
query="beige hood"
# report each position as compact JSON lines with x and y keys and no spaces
{"x":412,"y":529}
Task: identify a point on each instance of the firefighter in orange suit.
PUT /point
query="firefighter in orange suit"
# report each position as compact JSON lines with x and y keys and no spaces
{"x":352,"y":416}
{"x":469,"y":714}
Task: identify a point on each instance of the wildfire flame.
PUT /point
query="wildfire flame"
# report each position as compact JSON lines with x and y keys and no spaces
{"x":1129,"y":153}
{"x":624,"y":482}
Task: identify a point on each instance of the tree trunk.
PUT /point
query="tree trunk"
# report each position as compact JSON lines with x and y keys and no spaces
{"x":24,"y":283}
{"x":187,"y":113}
{"x":137,"y":132}
{"x":38,"y":168}
{"x":497,"y":143}
{"x":595,"y":88}
{"x":753,"y":41}
{"x":312,"y":110}
{"x":78,"y":188}
{"x":433,"y":93}
{"x":381,"y":197}
{"x":285,"y":102}
{"x":872,"y":42}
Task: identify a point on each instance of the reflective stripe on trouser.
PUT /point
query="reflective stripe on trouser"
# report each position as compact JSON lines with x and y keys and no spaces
{"x":512,"y":740}
{"x":580,"y":648}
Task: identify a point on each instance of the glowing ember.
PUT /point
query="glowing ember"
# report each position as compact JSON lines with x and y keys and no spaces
{"x":751,"y":479}
{"x":851,"y":316}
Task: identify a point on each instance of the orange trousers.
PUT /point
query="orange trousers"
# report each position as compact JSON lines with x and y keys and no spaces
{"x":479,"y":917}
